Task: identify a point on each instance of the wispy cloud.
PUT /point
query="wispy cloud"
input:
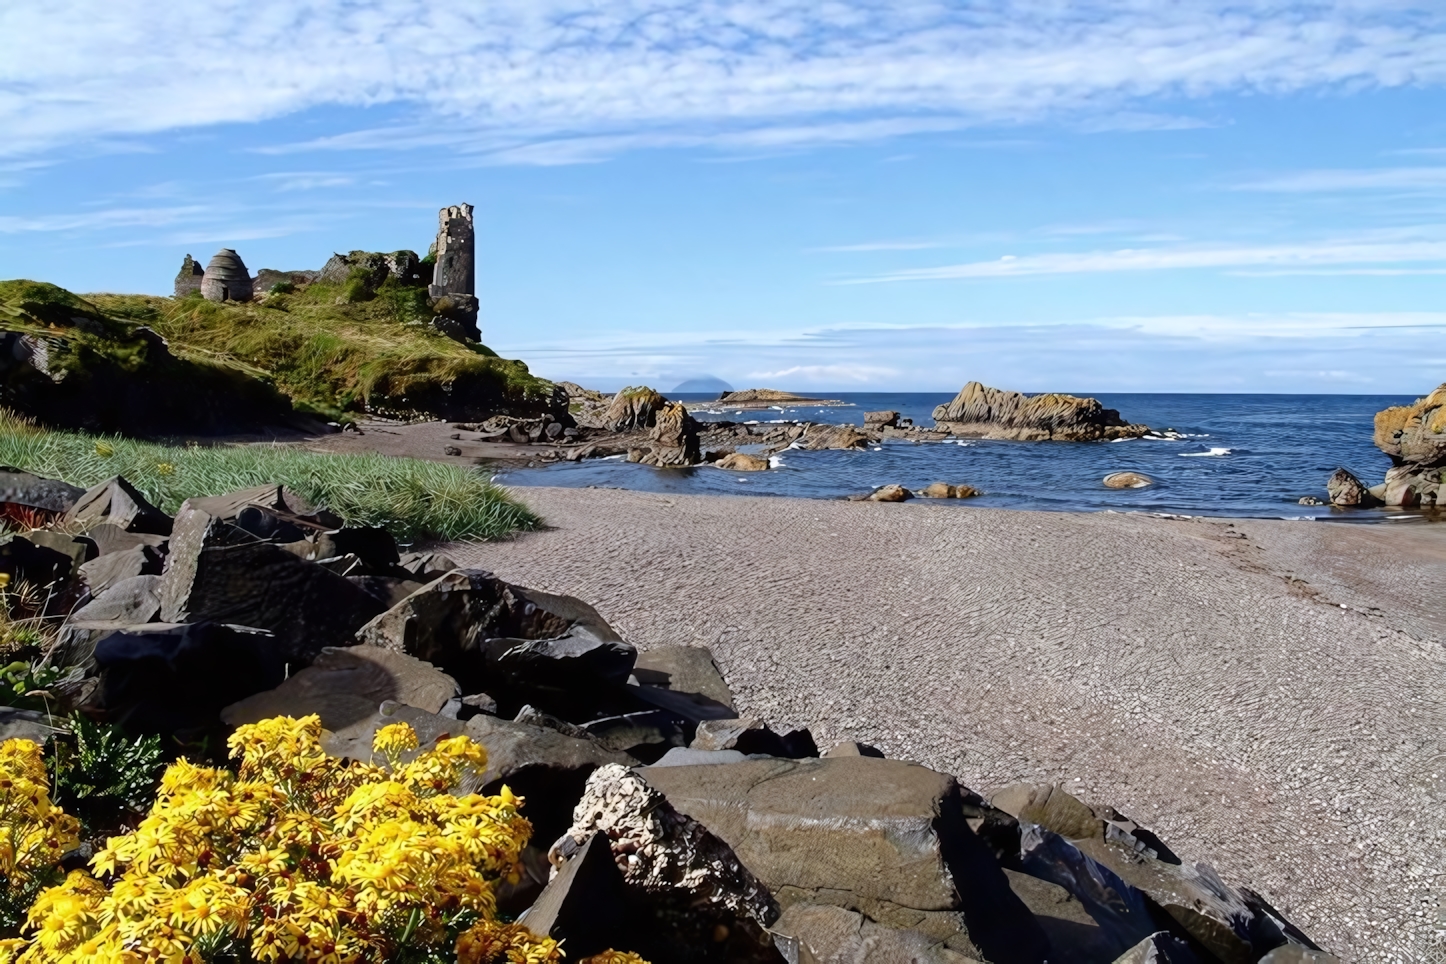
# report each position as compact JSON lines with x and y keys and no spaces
{"x":1317,"y":256}
{"x":85,"y":70}
{"x":1368,"y":179}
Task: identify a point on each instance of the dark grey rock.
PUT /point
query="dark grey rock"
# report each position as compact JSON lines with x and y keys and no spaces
{"x":37,"y":492}
{"x":217,"y":573}
{"x":1347,"y":490}
{"x":884,"y":838}
{"x":682,"y":756}
{"x":1160,"y":948}
{"x":688,"y":670}
{"x":32,"y":725}
{"x":175,"y":679}
{"x":103,"y":572}
{"x":345,"y":685}
{"x":584,"y":904}
{"x":426,"y":566}
{"x":116,"y":502}
{"x":645,"y":735}
{"x":130,"y":602}
{"x":31,"y":558}
{"x":751,"y":736}
{"x":834,"y":935}
{"x":107,"y":538}
{"x":1297,"y":954}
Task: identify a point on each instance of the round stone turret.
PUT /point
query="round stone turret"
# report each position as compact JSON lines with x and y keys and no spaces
{"x":226,"y":278}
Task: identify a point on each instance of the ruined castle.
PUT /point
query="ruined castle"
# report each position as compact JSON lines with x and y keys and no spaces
{"x":449,"y":274}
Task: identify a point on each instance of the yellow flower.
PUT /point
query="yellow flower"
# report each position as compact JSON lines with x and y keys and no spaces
{"x":165,"y":468}
{"x":613,"y":957}
{"x":104,"y":449}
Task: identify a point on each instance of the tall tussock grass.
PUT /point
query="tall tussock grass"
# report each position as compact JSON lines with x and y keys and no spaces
{"x":414,"y":499}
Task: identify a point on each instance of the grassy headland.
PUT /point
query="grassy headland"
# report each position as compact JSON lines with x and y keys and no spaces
{"x":410,"y":497}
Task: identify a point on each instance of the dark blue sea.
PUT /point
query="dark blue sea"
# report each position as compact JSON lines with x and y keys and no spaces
{"x":1241,"y":455}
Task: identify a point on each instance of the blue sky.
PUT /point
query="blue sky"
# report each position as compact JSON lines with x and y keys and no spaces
{"x":839,"y":194}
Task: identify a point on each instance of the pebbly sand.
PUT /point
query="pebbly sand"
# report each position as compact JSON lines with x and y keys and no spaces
{"x":1269,"y":697}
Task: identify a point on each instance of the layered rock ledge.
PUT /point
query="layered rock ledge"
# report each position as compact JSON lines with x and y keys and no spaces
{"x":984,"y":412}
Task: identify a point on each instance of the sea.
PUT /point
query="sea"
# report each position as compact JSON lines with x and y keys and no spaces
{"x":1250,"y":456}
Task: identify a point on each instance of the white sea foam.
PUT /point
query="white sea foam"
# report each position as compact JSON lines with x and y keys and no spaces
{"x":1212,"y":452}
{"x":751,"y":421}
{"x":775,"y":461}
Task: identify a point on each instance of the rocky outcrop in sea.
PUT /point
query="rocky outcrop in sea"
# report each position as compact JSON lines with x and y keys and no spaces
{"x":1414,"y":436}
{"x":984,"y":412}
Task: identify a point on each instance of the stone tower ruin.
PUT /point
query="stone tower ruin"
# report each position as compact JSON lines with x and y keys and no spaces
{"x":454,"y":278}
{"x":226,"y":278}
{"x":188,"y":280}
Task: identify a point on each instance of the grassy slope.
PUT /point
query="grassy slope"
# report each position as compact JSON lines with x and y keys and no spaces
{"x":377,"y":355}
{"x":411,"y":498}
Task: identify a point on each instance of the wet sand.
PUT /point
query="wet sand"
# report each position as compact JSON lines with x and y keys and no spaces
{"x":1269,"y":697}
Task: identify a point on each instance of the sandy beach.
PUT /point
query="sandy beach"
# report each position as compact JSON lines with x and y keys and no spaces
{"x":1269,"y":697}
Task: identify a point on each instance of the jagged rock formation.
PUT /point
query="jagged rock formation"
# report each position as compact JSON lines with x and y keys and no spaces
{"x":986,"y":412}
{"x":633,"y":408}
{"x":373,"y":268}
{"x":188,"y":280}
{"x":1414,"y":436}
{"x":674,"y":439}
{"x":226,"y":278}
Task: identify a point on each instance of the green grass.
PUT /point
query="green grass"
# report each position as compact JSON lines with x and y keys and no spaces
{"x":410,"y":497}
{"x":334,"y":349}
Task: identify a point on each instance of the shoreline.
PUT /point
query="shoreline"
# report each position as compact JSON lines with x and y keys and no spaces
{"x":1263,"y":696}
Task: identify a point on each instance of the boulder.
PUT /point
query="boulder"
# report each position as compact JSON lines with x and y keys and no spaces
{"x":645,"y":736}
{"x":103,"y":572}
{"x":943,"y":490}
{"x":1415,"y":434}
{"x":107,"y":538}
{"x":271,"y":497}
{"x":682,"y":756}
{"x":1232,"y":925}
{"x":673,"y":441}
{"x":518,"y":644}
{"x":116,"y":502}
{"x":741,"y":462}
{"x":993,"y":413}
{"x":584,"y":904}
{"x":750,"y":736}
{"x":879,"y":420}
{"x":1074,"y":936}
{"x":1127,"y":480}
{"x":40,"y":558}
{"x":632,"y":409}
{"x":833,"y":935}
{"x":1297,"y":954}
{"x":844,"y":437}
{"x":130,"y":602}
{"x":852,"y":748}
{"x":1347,"y":490}
{"x":32,"y":725}
{"x":688,"y":887}
{"x":885,"y":838}
{"x":217,"y":573}
{"x":686,"y":670}
{"x":175,"y":679}
{"x":344,"y":685}
{"x":426,"y":566}
{"x":1159,"y":948}
{"x":19,"y":487}
{"x":890,"y":493}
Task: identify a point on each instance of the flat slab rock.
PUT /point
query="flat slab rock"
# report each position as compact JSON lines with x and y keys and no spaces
{"x":825,"y":934}
{"x":885,"y":838}
{"x":347,"y":684}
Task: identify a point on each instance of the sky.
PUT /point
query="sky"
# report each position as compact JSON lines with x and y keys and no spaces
{"x":847,"y":195}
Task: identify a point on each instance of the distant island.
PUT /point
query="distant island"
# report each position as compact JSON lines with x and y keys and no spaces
{"x":754,"y":398}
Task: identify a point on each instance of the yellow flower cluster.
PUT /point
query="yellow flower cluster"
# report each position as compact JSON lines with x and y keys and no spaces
{"x":613,"y":957}
{"x":295,"y":857}
{"x":34,"y":833}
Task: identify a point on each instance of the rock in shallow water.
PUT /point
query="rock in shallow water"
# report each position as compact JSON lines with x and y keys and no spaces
{"x":890,"y":493}
{"x":1127,"y":480}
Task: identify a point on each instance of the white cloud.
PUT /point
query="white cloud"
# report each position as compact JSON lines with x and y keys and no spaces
{"x":773,"y":72}
{"x":1282,"y":257}
{"x":1368,"y":179}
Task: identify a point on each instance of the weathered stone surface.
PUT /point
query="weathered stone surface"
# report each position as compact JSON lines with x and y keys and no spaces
{"x":688,"y":670}
{"x":584,"y":904}
{"x":216,"y":573}
{"x":30,"y":725}
{"x":31,"y":559}
{"x":426,"y":566}
{"x":1074,"y":936}
{"x":271,"y":496}
{"x":818,"y":437}
{"x":116,"y":502}
{"x":103,"y":572}
{"x":943,"y":490}
{"x":344,"y":685}
{"x":1296,"y":954}
{"x":853,"y":748}
{"x":692,"y":881}
{"x":878,"y":420}
{"x":1229,"y":924}
{"x":882,"y":837}
{"x":1415,"y":433}
{"x":456,"y":252}
{"x":673,"y":441}
{"x":226,"y":278}
{"x":545,"y":649}
{"x":834,"y":935}
{"x":37,"y":492}
{"x":682,"y":756}
{"x":632,"y":409}
{"x":993,"y":413}
{"x":742,"y":462}
{"x":750,"y":736}
{"x":188,"y":279}
{"x":1159,"y":948}
{"x":107,"y":538}
{"x":168,"y":678}
{"x":1127,"y":480}
{"x":1347,"y":490}
{"x":130,"y":602}
{"x":891,"y":493}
